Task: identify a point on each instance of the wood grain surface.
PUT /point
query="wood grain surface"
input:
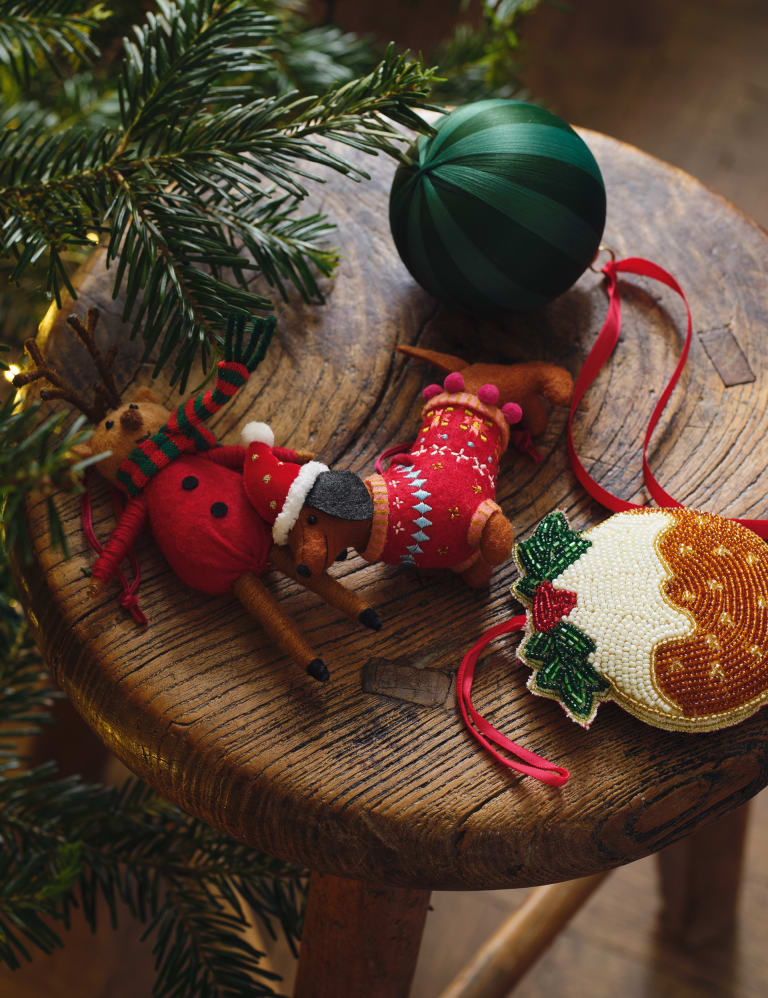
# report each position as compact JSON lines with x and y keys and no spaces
{"x":372,"y":775}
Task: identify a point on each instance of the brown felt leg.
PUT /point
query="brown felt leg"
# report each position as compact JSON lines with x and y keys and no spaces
{"x":329,"y":589}
{"x":700,"y":879}
{"x":535,"y":415}
{"x":478,"y":575}
{"x":497,"y":539}
{"x":359,"y":939}
{"x":258,"y":601}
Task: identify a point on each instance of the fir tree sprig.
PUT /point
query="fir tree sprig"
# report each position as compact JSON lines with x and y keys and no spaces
{"x":79,"y":844}
{"x":35,"y":29}
{"x":170,"y":188}
{"x":483,"y":60}
{"x":67,"y":844}
{"x":36,"y":455}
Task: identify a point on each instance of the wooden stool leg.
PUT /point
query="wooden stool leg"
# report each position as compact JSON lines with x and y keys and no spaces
{"x":500,"y":963}
{"x":359,"y":939}
{"x":700,"y":879}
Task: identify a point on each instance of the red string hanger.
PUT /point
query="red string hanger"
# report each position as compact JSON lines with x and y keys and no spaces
{"x":519,"y":758}
{"x":128,"y":598}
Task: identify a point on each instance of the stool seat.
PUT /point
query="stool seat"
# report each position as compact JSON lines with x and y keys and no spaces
{"x":373,"y":775}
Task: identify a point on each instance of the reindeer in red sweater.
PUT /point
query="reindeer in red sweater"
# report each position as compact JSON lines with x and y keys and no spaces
{"x":435,"y":506}
{"x":190,"y":489}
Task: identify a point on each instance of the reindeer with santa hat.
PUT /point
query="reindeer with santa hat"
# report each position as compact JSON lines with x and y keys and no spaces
{"x":435,"y":507}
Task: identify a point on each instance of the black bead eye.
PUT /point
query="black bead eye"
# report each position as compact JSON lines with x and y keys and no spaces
{"x":311,"y":519}
{"x":109,"y":424}
{"x":132,"y":405}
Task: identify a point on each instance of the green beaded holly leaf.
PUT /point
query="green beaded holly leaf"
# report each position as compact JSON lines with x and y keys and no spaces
{"x":552,"y":548}
{"x":560,"y":658}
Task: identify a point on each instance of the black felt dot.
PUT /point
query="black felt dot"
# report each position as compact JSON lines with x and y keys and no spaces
{"x":189,"y":483}
{"x":219,"y":509}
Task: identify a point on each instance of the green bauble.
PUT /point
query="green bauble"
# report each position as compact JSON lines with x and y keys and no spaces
{"x":503,"y":207}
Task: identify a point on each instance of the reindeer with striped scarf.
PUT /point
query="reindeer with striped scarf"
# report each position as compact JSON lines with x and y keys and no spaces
{"x":189,"y":488}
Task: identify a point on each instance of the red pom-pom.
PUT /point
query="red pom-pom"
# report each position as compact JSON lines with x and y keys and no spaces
{"x":454,"y":382}
{"x":430,"y":391}
{"x":512,"y":412}
{"x":489,"y":394}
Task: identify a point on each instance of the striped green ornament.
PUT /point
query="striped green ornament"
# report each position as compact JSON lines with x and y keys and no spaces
{"x":503,"y":207}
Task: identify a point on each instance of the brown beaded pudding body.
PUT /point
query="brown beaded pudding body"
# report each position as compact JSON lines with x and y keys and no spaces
{"x":666,"y":613}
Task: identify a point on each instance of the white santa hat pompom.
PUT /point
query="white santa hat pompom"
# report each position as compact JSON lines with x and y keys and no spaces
{"x":258,"y":433}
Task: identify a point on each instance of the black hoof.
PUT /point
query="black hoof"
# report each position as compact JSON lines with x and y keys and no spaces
{"x":370,"y":618}
{"x":317,"y":669}
{"x":342,"y":555}
{"x":303,"y":570}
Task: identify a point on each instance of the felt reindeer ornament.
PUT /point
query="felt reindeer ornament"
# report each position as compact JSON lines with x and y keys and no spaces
{"x":435,"y":506}
{"x":190,"y":489}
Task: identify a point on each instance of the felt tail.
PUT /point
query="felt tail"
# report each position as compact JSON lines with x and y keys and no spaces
{"x":549,"y":380}
{"x":445,"y":361}
{"x":515,"y":381}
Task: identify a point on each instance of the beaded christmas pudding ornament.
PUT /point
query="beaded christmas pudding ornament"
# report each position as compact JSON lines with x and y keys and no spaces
{"x":664,"y":611}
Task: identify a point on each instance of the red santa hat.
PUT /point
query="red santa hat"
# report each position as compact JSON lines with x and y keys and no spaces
{"x":276,"y":489}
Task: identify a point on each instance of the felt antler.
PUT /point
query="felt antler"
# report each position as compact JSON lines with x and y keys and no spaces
{"x":106,"y":395}
{"x":108,"y":390}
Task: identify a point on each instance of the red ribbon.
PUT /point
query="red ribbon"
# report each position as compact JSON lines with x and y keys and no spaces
{"x":127,"y":599}
{"x":398,"y":453}
{"x":522,"y":760}
{"x":599,"y":354}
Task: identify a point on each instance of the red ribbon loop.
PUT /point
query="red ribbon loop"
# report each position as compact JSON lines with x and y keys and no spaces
{"x":397,"y":452}
{"x":522,"y":760}
{"x":597,"y":357}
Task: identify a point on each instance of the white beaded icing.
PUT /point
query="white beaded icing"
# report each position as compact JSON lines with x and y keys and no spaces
{"x":621,"y":606}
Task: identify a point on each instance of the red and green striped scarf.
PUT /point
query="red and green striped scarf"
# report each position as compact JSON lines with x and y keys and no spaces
{"x":184,"y":432}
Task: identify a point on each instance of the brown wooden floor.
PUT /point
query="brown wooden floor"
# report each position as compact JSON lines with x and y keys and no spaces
{"x":687,"y":81}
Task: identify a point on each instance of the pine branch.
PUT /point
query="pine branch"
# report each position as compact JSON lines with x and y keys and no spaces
{"x":313,"y":59}
{"x":30,"y":895}
{"x":174,"y":873}
{"x":483,"y":61}
{"x":36,"y":456}
{"x":25,"y":691}
{"x":35,"y":29}
{"x":170,"y":189}
{"x":200,"y":942}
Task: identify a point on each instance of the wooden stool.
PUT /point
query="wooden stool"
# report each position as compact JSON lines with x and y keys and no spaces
{"x":372,"y":776}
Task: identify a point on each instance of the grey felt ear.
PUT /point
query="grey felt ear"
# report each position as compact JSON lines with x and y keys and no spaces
{"x":341,"y":494}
